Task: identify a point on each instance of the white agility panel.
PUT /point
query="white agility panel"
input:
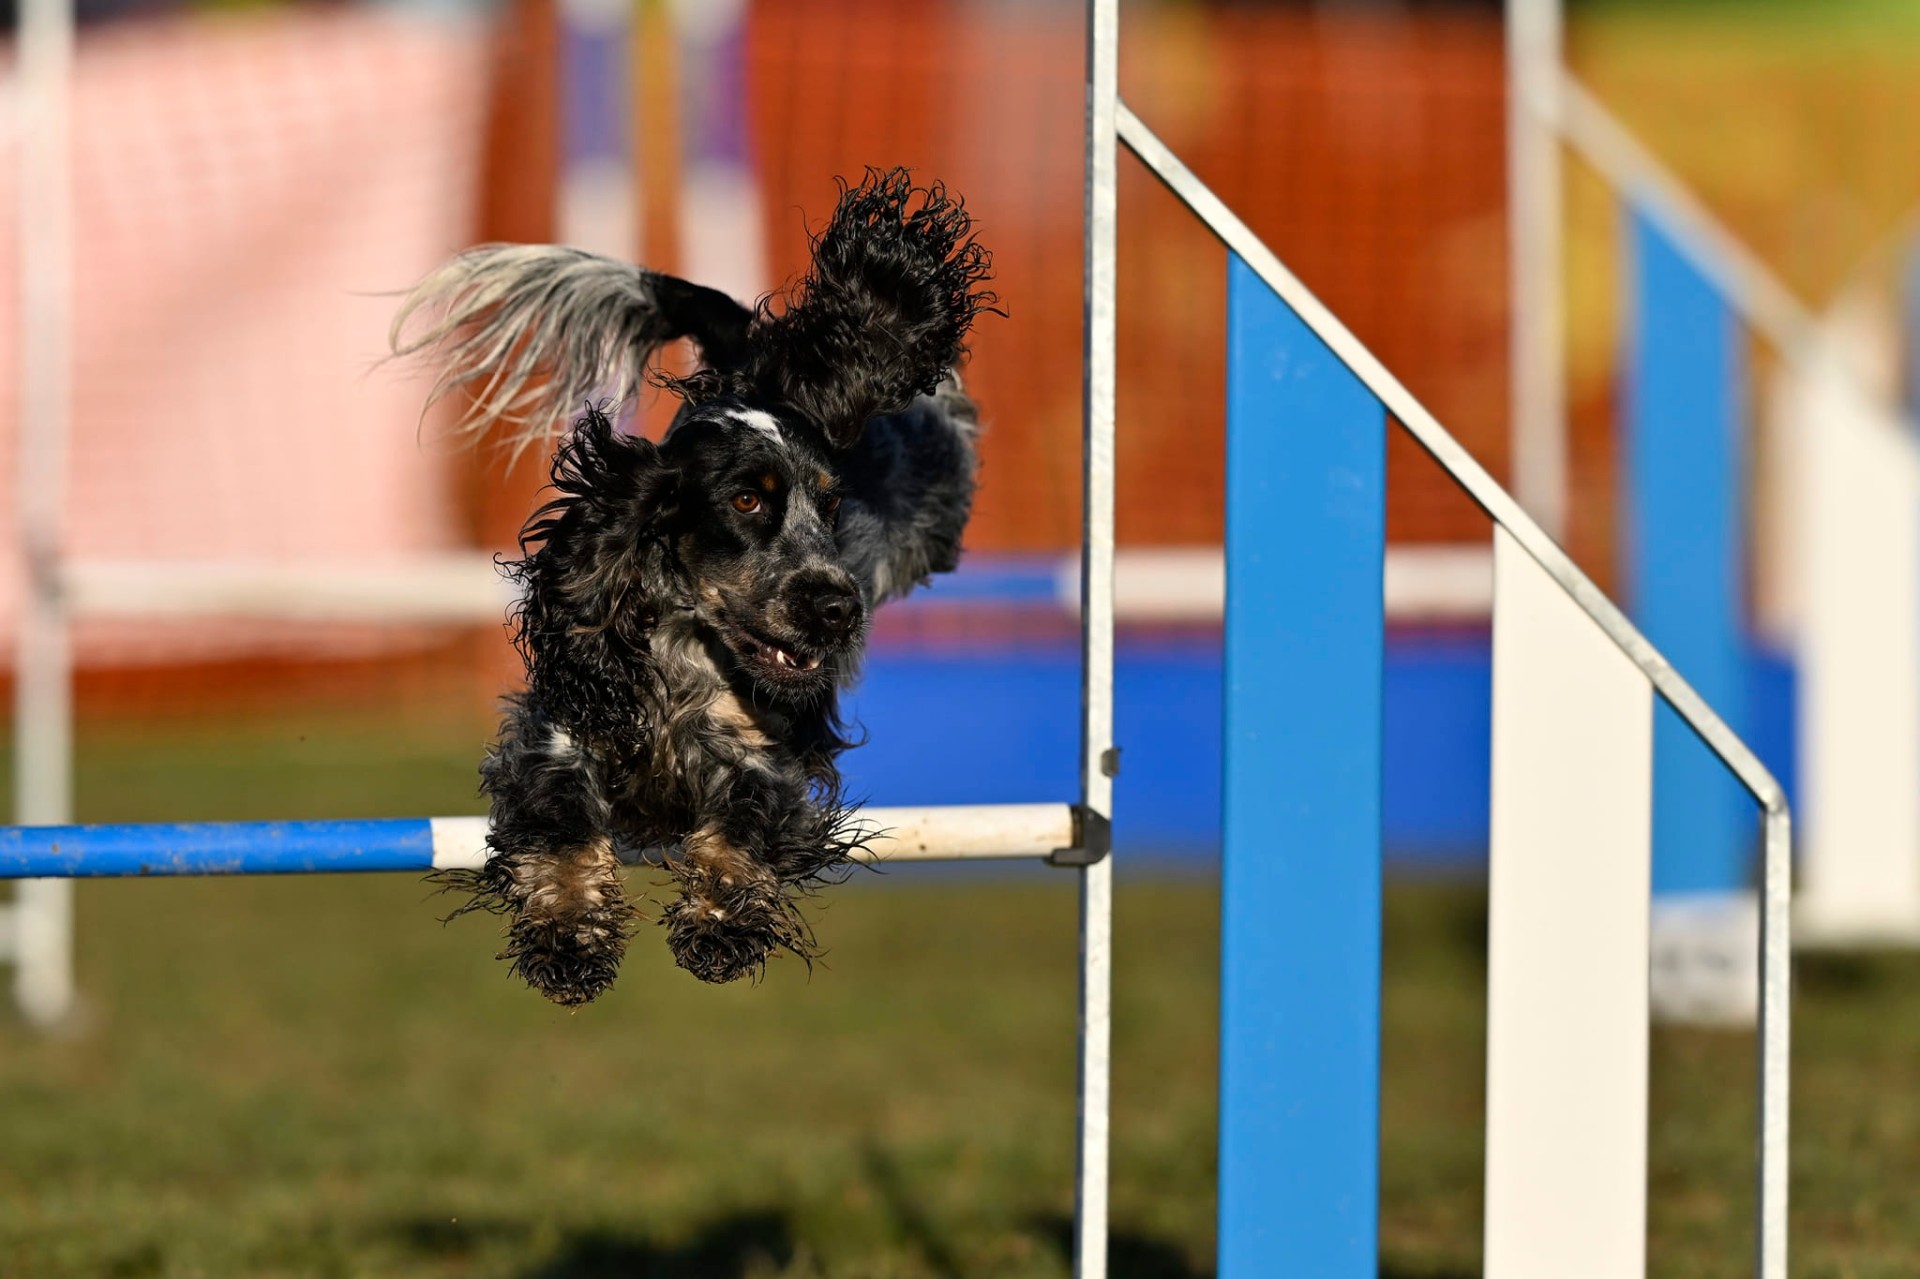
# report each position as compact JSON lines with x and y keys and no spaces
{"x":1858,"y":516}
{"x":1572,"y":839}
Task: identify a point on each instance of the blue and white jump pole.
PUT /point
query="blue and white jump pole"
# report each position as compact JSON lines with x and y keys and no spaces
{"x":420,"y":844}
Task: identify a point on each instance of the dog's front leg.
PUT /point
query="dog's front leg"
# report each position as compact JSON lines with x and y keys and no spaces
{"x":732,"y":912}
{"x":762,"y":840}
{"x":552,"y":866}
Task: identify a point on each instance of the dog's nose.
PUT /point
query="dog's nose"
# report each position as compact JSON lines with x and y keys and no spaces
{"x":838,"y":610}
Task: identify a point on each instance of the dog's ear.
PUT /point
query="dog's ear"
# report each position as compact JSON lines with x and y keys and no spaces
{"x":882,"y":313}
{"x":593,"y":575}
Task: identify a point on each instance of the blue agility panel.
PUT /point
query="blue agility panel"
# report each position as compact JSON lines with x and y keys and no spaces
{"x":1684,"y":402}
{"x":1300,"y":928}
{"x":223,"y":848}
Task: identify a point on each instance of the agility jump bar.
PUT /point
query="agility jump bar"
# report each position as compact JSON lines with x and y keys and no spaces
{"x":956,"y":833}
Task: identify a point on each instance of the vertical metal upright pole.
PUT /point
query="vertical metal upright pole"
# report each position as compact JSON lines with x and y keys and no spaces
{"x":1097,"y":756}
{"x":1536,"y":340}
{"x":43,"y":727}
{"x":1776,"y":1005}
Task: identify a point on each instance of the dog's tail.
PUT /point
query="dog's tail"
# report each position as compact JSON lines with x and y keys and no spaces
{"x":524,"y":333}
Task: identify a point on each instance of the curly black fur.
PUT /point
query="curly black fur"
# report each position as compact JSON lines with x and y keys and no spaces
{"x":691,"y":609}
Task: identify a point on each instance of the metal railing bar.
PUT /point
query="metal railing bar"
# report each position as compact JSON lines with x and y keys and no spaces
{"x":1598,"y":137}
{"x":1776,"y":1005}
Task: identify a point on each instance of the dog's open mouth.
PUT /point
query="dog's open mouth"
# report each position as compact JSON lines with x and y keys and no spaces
{"x":793,"y":661}
{"x":775,"y":663}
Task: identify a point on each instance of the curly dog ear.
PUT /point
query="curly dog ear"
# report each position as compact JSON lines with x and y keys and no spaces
{"x":882,"y":313}
{"x":597,"y":563}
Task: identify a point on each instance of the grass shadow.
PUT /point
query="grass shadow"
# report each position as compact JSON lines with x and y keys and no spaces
{"x":1849,"y":974}
{"x":1393,"y":1271}
{"x":888,"y":1180}
{"x":1129,"y":1255}
{"x":730,"y":1247}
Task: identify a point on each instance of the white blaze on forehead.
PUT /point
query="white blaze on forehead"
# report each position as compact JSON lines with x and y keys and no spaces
{"x":760,"y":420}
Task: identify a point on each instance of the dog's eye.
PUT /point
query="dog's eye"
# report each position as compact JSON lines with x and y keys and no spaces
{"x":746,"y":502}
{"x":831,"y":504}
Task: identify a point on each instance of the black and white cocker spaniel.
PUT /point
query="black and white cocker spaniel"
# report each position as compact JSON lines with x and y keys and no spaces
{"x":691,"y":609}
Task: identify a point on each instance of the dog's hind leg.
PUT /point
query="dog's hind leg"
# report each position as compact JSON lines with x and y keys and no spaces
{"x":552,"y":866}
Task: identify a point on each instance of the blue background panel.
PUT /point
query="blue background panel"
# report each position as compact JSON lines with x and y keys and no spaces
{"x":996,"y":725}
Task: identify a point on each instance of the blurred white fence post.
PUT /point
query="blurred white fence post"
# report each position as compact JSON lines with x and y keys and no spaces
{"x":1536,"y":338}
{"x":42,"y":932}
{"x":1856,"y":498}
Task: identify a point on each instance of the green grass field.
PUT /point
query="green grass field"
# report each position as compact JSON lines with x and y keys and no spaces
{"x":312,"y":1077}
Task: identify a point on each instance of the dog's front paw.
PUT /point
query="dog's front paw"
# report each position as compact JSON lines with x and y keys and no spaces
{"x":570,"y":916}
{"x":731,"y":916}
{"x":571,"y":961}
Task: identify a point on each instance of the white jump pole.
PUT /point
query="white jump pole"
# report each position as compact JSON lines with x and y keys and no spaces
{"x":43,"y":732}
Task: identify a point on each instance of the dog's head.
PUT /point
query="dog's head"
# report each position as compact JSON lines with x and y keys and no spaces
{"x":731,"y":519}
{"x":727,"y":527}
{"x":756,"y":509}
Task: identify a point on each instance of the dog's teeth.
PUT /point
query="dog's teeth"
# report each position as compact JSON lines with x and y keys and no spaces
{"x":813,"y":663}
{"x":781,"y":656}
